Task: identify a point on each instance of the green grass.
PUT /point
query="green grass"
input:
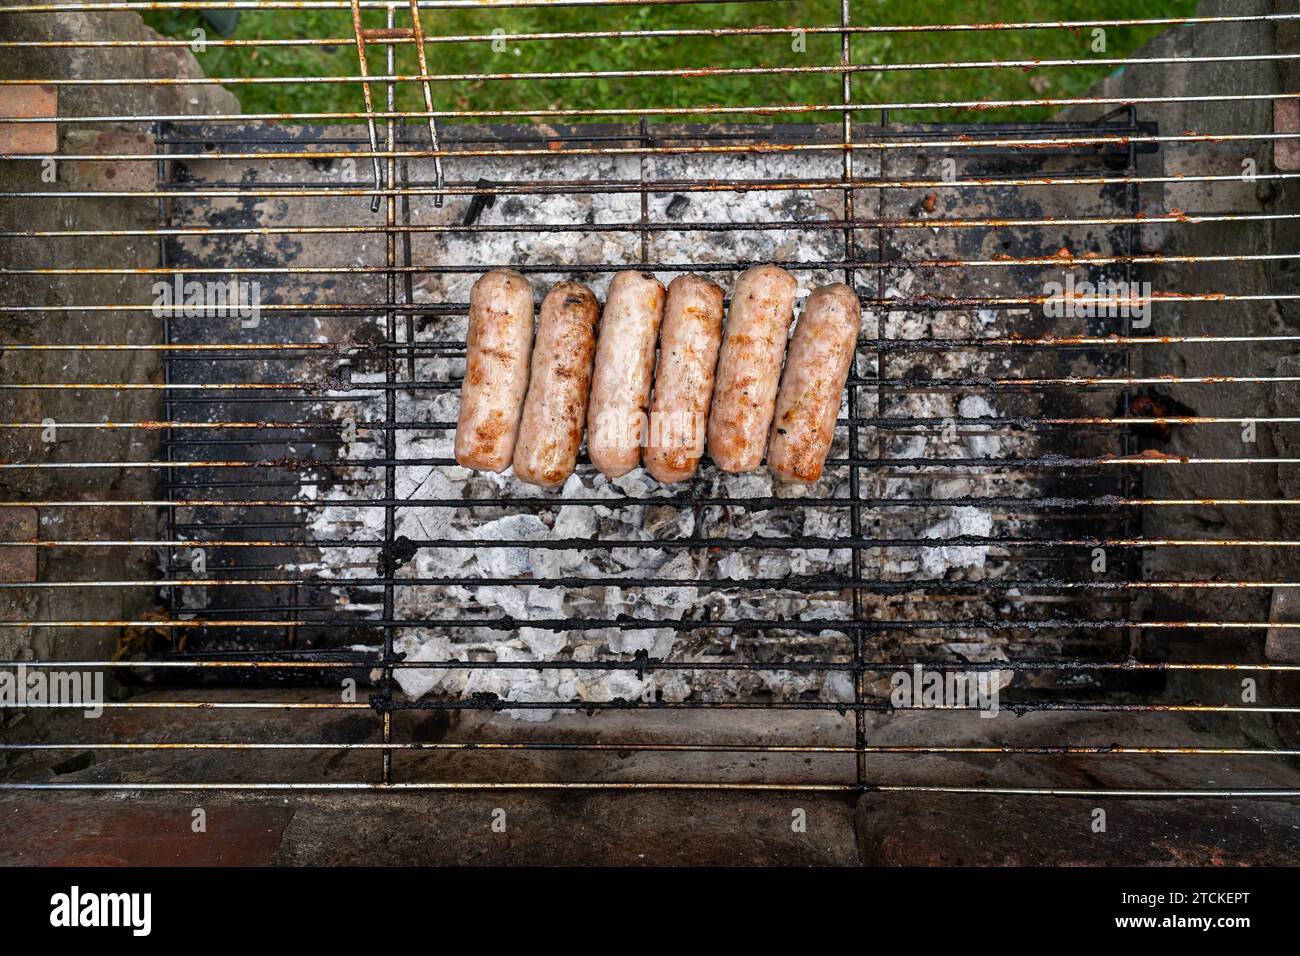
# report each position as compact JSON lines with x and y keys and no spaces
{"x":703,"y":52}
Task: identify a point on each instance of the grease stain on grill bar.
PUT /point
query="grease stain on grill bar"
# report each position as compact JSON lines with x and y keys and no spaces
{"x":774,"y":544}
{"x":821,"y":584}
{"x":568,"y":624}
{"x":336,"y":660}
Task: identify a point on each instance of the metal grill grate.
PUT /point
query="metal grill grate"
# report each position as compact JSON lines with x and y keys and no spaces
{"x":988,"y":456}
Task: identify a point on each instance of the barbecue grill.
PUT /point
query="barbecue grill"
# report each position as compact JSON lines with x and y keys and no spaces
{"x":1065,"y":465}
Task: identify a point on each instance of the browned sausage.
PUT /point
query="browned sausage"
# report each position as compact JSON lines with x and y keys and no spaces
{"x":749,"y":367}
{"x":498,"y":343}
{"x":688,"y":356}
{"x":625,"y":361}
{"x":555,"y":410}
{"x":821,"y":354}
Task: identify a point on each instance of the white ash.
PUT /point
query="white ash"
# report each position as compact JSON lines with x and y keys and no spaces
{"x":978,"y":442}
{"x":962,"y":521}
{"x":445,"y":612}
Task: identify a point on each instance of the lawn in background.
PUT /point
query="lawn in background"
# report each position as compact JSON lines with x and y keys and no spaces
{"x":671,"y":53}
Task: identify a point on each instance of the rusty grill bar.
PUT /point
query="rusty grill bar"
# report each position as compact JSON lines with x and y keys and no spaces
{"x":251,"y":424}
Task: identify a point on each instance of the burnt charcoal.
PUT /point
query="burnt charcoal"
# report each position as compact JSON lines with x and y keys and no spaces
{"x":1150,"y":403}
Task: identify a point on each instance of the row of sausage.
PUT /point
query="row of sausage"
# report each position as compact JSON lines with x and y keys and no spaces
{"x":741,"y":389}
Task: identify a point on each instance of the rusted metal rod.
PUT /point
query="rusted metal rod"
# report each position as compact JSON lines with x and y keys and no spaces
{"x":662,"y":73}
{"x":1041,"y":750}
{"x":716,"y":109}
{"x":553,"y":187}
{"x":885,"y":304}
{"x":671,"y":32}
{"x":1173,"y":218}
{"x":1106,"y":139}
{"x":757,"y":543}
{"x":289,"y":662}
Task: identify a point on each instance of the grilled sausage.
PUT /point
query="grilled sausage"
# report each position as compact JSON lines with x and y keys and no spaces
{"x":821,"y":353}
{"x":555,"y":410}
{"x":625,"y":361}
{"x":688,"y":356}
{"x":499,"y":341}
{"x":749,"y":367}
